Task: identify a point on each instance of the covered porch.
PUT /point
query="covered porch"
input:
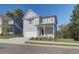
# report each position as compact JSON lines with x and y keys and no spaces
{"x":45,"y":30}
{"x":7,"y":29}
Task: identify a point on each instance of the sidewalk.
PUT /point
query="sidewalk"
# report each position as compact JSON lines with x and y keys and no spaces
{"x":52,"y":43}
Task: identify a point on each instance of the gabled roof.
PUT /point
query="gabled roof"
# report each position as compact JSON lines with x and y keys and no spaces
{"x":31,"y":14}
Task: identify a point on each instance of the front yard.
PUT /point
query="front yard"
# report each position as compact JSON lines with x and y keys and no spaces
{"x":50,"y":39}
{"x":8,"y":36}
{"x":61,"y":42}
{"x":67,"y":40}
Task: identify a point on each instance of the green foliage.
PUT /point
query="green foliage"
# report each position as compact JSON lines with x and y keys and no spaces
{"x":75,"y":23}
{"x":17,"y":14}
{"x":65,"y":31}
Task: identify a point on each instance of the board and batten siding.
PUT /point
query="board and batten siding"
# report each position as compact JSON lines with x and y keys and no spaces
{"x":30,"y":20}
{"x":30,"y":28}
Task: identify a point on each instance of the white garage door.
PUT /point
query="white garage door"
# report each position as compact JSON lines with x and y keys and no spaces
{"x":30,"y":34}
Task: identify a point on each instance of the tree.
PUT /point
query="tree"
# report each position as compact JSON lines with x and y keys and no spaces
{"x":75,"y":23}
{"x":65,"y":31}
{"x":17,"y":16}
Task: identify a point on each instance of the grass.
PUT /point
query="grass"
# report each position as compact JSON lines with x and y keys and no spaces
{"x":54,"y":40}
{"x":8,"y":36}
{"x":61,"y":42}
{"x":67,"y":40}
{"x":5,"y":37}
{"x":52,"y":44}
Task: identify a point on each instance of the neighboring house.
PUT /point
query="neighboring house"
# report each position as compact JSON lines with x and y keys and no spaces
{"x":6,"y":25}
{"x":38,"y":26}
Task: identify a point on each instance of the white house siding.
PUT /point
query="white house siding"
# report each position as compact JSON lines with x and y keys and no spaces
{"x":30,"y":29}
{"x":0,"y":25}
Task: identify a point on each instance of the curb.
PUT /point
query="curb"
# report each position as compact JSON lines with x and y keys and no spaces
{"x":52,"y":43}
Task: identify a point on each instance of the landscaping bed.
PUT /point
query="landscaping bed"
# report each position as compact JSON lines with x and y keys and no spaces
{"x":54,"y":40}
{"x":43,"y":38}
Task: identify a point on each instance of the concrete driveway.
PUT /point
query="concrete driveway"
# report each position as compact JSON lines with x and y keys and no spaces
{"x":17,"y":40}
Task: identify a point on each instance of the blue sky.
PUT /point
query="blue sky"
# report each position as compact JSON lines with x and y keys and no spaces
{"x":62,"y":11}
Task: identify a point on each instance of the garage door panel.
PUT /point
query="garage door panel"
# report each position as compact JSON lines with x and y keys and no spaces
{"x":30,"y":34}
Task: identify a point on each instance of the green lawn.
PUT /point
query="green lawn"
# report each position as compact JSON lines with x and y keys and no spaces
{"x":8,"y":36}
{"x":54,"y":40}
{"x":67,"y":40}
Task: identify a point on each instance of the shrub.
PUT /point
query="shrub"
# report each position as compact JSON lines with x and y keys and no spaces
{"x":42,"y":38}
{"x":31,"y":38}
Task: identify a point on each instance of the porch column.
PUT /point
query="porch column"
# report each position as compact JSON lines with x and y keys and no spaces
{"x":53,"y":32}
{"x":38,"y":32}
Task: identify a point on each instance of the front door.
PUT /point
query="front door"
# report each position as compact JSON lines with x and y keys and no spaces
{"x":42,"y":32}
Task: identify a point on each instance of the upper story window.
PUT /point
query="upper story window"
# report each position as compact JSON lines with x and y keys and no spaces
{"x":47,"y":20}
{"x":30,"y":20}
{"x":40,"y":20}
{"x":10,"y":22}
{"x":52,"y":20}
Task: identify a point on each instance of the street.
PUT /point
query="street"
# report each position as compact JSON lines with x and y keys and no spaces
{"x":31,"y":49}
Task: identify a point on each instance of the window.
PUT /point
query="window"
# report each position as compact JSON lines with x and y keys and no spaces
{"x":40,"y":20}
{"x":10,"y":29}
{"x":47,"y":20}
{"x":30,"y":20}
{"x":52,"y":20}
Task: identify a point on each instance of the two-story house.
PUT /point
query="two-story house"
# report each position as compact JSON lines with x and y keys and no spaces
{"x":38,"y":26}
{"x":8,"y":26}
